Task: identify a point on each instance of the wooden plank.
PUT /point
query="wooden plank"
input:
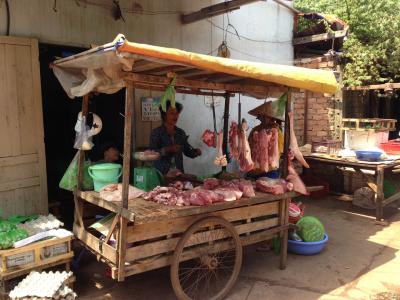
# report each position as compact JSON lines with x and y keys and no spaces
{"x":26,"y":200}
{"x":186,"y":83}
{"x":284,"y":234}
{"x":18,"y":160}
{"x":392,"y":198}
{"x":319,"y":37}
{"x":18,"y":172}
{"x":162,"y":228}
{"x":11,"y":94}
{"x":93,"y":243}
{"x":36,"y":245}
{"x":39,"y":133}
{"x":379,"y":196}
{"x":373,"y":87}
{"x":15,"y":40}
{"x":5,"y":148}
{"x":93,"y":198}
{"x":129,"y":114}
{"x":26,"y":107}
{"x":143,"y":86}
{"x":48,"y":264}
{"x":165,"y":260}
{"x":17,"y":184}
{"x":168,"y":245}
{"x":214,"y":10}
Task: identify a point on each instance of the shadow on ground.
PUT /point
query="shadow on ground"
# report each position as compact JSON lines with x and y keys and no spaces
{"x":361,"y":260}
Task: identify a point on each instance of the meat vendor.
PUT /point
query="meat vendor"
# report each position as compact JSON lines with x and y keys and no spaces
{"x":171,"y":141}
{"x":270,"y":117}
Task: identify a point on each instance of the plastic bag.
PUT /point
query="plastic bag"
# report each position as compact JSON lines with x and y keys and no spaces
{"x":69,"y":181}
{"x":83,"y":140}
{"x":7,"y":239}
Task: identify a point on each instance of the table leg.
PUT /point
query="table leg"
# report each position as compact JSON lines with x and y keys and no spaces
{"x":379,"y":196}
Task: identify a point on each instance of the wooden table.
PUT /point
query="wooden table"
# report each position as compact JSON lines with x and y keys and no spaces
{"x":375,"y":182}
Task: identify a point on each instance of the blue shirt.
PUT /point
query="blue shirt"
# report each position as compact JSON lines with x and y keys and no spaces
{"x":160,"y":139}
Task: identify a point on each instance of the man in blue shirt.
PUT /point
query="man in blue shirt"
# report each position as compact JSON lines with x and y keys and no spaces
{"x":171,"y":141}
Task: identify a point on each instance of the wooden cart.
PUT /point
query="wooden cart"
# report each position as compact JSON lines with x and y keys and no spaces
{"x":203,"y":245}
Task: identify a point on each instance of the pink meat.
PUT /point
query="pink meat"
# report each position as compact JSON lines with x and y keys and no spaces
{"x":245,"y":162}
{"x":293,"y":143}
{"x":233,"y":187}
{"x":263,"y":144}
{"x":211,"y":183}
{"x":227,"y":194}
{"x":294,"y":178}
{"x":247,"y":188}
{"x":233,"y":140}
{"x":273,"y":150}
{"x":209,"y":138}
{"x":255,"y":151}
{"x":272,"y":186}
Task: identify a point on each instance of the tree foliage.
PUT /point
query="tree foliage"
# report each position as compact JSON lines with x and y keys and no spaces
{"x":372,"y":49}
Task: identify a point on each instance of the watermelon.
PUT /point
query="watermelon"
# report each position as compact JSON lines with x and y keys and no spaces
{"x":310,"y":229}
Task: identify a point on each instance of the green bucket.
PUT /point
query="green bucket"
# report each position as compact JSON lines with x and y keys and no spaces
{"x":104,"y":174}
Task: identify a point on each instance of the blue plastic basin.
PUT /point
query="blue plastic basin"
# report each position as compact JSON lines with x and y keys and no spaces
{"x":307,"y":248}
{"x":368,"y":155}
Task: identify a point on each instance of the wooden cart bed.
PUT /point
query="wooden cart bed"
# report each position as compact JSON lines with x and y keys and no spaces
{"x":154,"y":230}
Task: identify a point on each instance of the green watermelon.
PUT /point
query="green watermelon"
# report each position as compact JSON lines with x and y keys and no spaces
{"x":310,"y":229}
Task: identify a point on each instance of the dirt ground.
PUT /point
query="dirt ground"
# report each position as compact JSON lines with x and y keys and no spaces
{"x":361,"y":261}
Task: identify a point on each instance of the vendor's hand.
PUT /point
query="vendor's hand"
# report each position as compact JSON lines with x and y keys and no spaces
{"x":198,"y":152}
{"x":173,"y":148}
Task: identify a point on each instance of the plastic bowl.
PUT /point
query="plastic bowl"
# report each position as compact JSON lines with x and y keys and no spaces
{"x":307,"y":248}
{"x":368,"y":155}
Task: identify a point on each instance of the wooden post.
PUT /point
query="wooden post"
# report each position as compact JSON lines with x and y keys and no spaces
{"x":284,"y":220}
{"x":78,"y":215}
{"x":129,"y":112}
{"x":379,"y":197}
{"x":226,"y":127}
{"x":287,"y":135}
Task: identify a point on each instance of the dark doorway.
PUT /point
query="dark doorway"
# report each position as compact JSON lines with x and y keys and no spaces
{"x":59,"y":116}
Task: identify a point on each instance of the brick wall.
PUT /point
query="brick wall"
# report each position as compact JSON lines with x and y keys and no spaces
{"x":323,"y":112}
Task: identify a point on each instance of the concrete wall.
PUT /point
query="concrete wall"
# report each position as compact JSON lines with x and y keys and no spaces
{"x":265,"y":29}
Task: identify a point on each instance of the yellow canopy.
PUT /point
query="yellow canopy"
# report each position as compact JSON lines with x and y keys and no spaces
{"x":310,"y":79}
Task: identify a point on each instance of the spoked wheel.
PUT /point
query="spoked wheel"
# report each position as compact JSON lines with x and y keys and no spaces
{"x":207,"y":260}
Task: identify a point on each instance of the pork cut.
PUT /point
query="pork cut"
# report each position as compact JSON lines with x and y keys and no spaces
{"x":294,"y":178}
{"x":246,"y":187}
{"x":273,"y":149}
{"x":233,"y":140}
{"x":293,"y":143}
{"x":273,"y":186}
{"x":209,"y":138}
{"x":255,"y":150}
{"x":264,"y":139}
{"x":211,"y":183}
{"x":245,"y":162}
{"x":226,"y":193}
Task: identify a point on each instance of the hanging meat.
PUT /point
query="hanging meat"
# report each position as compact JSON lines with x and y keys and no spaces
{"x":209,"y":138}
{"x":255,"y":150}
{"x":234,"y":140}
{"x":220,"y":160}
{"x":293,"y":143}
{"x":264,"y":139}
{"x":294,"y":178}
{"x":245,"y":162}
{"x":273,"y":149}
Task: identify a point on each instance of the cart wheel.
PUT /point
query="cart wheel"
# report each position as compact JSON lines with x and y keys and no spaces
{"x":207,"y":260}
